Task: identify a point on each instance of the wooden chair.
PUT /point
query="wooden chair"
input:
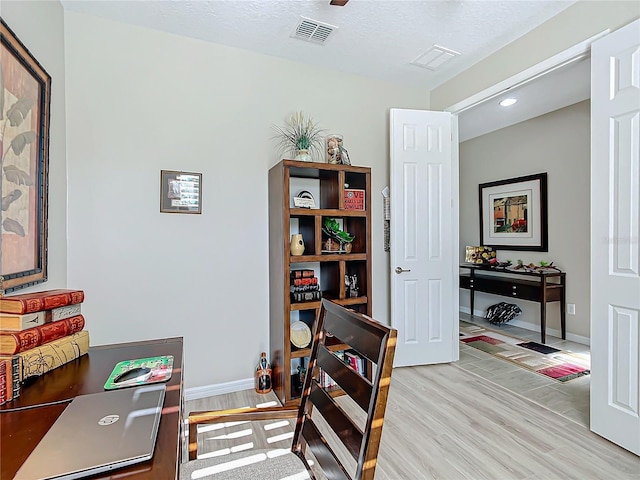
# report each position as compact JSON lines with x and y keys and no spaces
{"x":342,"y":429}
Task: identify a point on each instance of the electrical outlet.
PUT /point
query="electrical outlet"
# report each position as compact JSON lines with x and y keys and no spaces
{"x":571,"y":308}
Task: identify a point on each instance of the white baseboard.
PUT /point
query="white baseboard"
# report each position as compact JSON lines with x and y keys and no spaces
{"x":534,"y":327}
{"x":195,"y":393}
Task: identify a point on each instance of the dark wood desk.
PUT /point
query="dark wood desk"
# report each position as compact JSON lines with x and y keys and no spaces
{"x":532,"y":286}
{"x":20,"y":431}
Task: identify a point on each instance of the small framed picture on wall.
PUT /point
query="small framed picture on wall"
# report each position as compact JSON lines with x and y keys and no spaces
{"x":180,"y":192}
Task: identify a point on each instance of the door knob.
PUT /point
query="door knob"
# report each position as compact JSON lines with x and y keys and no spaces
{"x":400,"y":270}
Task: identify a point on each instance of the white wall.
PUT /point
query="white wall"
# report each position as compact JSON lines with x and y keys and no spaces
{"x":557,"y":143}
{"x":39,"y":25}
{"x":139,"y":101}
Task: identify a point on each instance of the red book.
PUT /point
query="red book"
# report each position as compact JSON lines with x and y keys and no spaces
{"x":297,"y":282}
{"x":6,"y":388}
{"x":305,"y":273}
{"x":36,"y":301}
{"x":16,"y":342}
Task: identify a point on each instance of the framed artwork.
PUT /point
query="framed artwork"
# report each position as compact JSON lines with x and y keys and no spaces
{"x":24,"y":162}
{"x":513,"y":213}
{"x":180,"y":192}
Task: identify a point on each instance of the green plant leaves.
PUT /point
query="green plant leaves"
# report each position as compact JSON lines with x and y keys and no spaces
{"x":19,"y":110}
{"x":332,"y":228}
{"x":22,"y":140}
{"x":15,"y":175}
{"x":300,"y":133}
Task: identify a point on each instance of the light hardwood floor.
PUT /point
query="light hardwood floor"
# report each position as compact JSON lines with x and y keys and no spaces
{"x":444,"y":422}
{"x":570,"y":399}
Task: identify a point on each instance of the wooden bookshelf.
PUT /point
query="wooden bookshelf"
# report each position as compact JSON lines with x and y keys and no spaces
{"x":286,"y":179}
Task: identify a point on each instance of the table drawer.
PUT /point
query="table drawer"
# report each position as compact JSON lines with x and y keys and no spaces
{"x":508,"y":287}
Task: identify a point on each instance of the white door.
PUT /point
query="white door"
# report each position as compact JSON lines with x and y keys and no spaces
{"x":615,"y":237}
{"x":424,"y":236}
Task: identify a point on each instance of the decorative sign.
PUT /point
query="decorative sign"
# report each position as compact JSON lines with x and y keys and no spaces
{"x":353,"y":199}
{"x":304,"y":200}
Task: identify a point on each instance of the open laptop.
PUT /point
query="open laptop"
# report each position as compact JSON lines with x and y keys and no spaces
{"x":98,"y":432}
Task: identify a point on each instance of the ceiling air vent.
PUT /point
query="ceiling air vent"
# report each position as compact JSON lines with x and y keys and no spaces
{"x":313,"y":30}
{"x":435,"y":57}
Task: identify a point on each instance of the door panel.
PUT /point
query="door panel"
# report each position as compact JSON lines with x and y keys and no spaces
{"x":424,"y":237}
{"x":615,"y":234}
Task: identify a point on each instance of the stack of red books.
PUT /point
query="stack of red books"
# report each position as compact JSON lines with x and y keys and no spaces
{"x":39,"y":331}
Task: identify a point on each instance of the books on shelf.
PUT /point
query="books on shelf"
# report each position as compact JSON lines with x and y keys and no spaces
{"x":355,"y":361}
{"x":302,"y":273}
{"x":306,"y":296}
{"x":19,"y":341}
{"x":298,"y":282}
{"x":304,"y":286}
{"x":37,"y":301}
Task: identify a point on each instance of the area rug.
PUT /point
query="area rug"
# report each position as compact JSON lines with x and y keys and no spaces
{"x":551,"y":362}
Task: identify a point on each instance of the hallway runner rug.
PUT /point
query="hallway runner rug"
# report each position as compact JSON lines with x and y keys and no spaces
{"x":551,"y":362}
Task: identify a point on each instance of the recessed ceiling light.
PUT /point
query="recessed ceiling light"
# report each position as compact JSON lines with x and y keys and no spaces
{"x":507,"y":102}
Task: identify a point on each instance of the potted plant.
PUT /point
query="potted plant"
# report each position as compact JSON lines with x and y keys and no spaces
{"x":338,"y":239}
{"x":300,"y":137}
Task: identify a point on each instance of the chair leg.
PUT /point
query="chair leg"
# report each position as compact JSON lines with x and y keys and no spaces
{"x":193,"y":442}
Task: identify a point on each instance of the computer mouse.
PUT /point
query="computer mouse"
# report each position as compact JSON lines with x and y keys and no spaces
{"x":136,"y":374}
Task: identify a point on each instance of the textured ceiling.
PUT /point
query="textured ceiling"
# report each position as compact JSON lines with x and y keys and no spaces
{"x":375,"y":38}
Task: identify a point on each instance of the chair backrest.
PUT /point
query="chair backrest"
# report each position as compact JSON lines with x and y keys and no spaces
{"x":352,"y":405}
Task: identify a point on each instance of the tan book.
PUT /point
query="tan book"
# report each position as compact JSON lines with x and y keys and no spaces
{"x":45,"y":358}
{"x":16,"y":322}
{"x":61,"y":313}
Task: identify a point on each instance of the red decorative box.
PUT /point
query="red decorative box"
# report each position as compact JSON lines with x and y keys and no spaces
{"x":353,"y":199}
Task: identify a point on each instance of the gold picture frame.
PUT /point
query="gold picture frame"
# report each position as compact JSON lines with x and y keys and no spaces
{"x":24,"y":162}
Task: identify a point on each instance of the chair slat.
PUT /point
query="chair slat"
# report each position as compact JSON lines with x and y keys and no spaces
{"x":362,"y":334}
{"x":354,"y":384}
{"x":243,"y":414}
{"x":330,"y":465}
{"x":340,"y":422}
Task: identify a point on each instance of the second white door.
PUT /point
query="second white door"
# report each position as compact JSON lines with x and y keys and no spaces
{"x":424,"y":236}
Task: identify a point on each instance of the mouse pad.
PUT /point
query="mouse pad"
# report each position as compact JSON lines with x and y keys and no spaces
{"x":160,"y":371}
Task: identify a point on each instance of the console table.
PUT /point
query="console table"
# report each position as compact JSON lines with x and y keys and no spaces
{"x":535,"y":286}
{"x":21,"y":430}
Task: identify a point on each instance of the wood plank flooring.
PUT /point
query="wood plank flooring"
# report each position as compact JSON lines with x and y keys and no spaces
{"x":570,"y":399}
{"x":443,"y":422}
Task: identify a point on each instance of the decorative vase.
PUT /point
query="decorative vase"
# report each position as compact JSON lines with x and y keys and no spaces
{"x":297,"y":244}
{"x":303,"y":155}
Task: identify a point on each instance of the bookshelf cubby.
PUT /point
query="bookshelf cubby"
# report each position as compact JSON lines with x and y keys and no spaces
{"x":327,"y":183}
